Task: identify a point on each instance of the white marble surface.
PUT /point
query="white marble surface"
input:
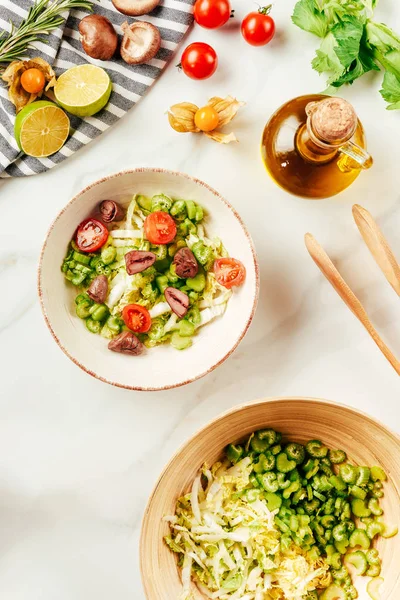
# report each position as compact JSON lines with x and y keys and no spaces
{"x":77,"y":457}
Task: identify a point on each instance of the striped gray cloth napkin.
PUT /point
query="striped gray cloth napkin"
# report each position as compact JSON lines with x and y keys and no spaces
{"x":64,"y":50}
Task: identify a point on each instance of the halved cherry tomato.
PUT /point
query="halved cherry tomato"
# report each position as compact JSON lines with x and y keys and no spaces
{"x":91,"y":235}
{"x":199,"y":61}
{"x":136,"y":318}
{"x":229,"y":272}
{"x":212,"y":13}
{"x":159,"y":228}
{"x":258,"y":28}
{"x":33,"y":80}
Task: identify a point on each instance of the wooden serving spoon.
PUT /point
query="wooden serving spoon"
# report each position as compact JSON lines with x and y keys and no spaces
{"x":378,"y":246}
{"x":328,"y":269}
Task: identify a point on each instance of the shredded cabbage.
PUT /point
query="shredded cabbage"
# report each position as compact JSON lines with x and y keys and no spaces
{"x":229,"y":546}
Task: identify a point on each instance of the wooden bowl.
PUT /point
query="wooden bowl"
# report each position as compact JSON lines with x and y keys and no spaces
{"x":366,"y":441}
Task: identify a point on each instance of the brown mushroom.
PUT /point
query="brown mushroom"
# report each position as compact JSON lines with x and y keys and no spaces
{"x":98,"y":37}
{"x":141,"y":42}
{"x":134,"y":8}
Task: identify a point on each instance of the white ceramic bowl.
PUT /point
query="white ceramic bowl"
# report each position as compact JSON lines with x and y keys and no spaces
{"x":162,"y":367}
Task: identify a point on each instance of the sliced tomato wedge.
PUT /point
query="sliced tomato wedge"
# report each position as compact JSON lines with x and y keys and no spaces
{"x":136,"y":318}
{"x":159,"y":228}
{"x":229,"y":272}
{"x":91,"y":235}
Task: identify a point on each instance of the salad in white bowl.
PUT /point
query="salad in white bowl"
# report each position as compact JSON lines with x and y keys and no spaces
{"x":149,"y":275}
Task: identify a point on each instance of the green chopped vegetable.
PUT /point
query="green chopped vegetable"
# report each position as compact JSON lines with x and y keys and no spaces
{"x":352,"y":43}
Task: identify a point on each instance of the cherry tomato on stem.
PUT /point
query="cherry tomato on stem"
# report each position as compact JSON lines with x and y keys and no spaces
{"x":212,"y":14}
{"x":199,"y":61}
{"x":258,"y":28}
{"x":33,"y":80}
{"x":91,"y":235}
{"x":136,"y":318}
{"x":159,"y":228}
{"x":229,"y":272}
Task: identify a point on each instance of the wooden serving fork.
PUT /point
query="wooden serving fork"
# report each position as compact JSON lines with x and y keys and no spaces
{"x":328,"y":269}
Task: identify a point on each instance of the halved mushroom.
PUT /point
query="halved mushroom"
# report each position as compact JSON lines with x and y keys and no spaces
{"x":134,"y":8}
{"x":141,"y":42}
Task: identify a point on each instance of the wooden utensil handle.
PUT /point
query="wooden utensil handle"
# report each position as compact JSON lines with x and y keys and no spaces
{"x":328,"y":269}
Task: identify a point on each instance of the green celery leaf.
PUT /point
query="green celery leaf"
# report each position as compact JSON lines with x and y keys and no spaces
{"x":363,"y":64}
{"x":348,"y":35}
{"x":327,"y":60}
{"x":382,"y":37}
{"x":336,"y":10}
{"x":390,"y":61}
{"x":391,"y":91}
{"x":307,"y":16}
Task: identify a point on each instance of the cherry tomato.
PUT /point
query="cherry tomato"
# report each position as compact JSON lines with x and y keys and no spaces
{"x":33,"y":81}
{"x":229,"y":272}
{"x":212,"y":13}
{"x":199,"y":61}
{"x":258,"y":28}
{"x":91,"y":235}
{"x":206,"y":118}
{"x":159,"y":228}
{"x":136,"y":318}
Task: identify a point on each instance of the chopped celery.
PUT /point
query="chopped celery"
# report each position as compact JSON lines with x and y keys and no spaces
{"x":360,"y":538}
{"x":374,"y":588}
{"x":179,"y":342}
{"x":191,"y":209}
{"x":358,"y":560}
{"x":186,"y":328}
{"x":144,"y":202}
{"x":334,"y":592}
{"x":378,"y":474}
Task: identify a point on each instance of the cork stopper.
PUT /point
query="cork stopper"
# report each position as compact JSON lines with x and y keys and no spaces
{"x":333,"y":120}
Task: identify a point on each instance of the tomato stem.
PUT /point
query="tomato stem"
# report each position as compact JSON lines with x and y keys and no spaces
{"x":232,"y":13}
{"x":265,"y":10}
{"x":179,"y":66}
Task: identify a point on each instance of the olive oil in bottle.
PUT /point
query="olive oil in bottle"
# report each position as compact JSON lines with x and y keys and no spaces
{"x":314,"y":146}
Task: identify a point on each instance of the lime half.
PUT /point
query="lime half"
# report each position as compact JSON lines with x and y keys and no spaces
{"x":41,"y":129}
{"x":83,"y":90}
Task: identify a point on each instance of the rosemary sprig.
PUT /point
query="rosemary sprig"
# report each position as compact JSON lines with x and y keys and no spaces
{"x":43,"y":17}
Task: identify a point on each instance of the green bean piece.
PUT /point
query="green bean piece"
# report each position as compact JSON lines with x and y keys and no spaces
{"x":273,"y":500}
{"x":234,"y":452}
{"x":162,"y":283}
{"x":342,"y":546}
{"x":79,"y":257}
{"x":108,"y":254}
{"x":178,"y":208}
{"x":101,"y":313}
{"x":268,"y":482}
{"x":316,"y":449}
{"x":358,"y":492}
{"x":282,"y":482}
{"x":283,"y":464}
{"x":351,"y":592}
{"x":374,"y":571}
{"x":373,"y":505}
{"x":180,"y":343}
{"x":203,"y":254}
{"x":311,"y":507}
{"x":161,"y":202}
{"x":374,"y":529}
{"x":359,"y":561}
{"x":191,"y":209}
{"x":360,"y":538}
{"x":373,"y":557}
{"x":197,"y":283}
{"x":339,"y":532}
{"x":83,"y":310}
{"x":337,"y":456}
{"x":378,"y":474}
{"x":338,"y":483}
{"x":340,"y":574}
{"x":186,"y":328}
{"x":93,"y":326}
{"x":295,"y":452}
{"x":348,"y":473}
{"x":257,"y":444}
{"x":363,"y":476}
{"x":102,"y":269}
